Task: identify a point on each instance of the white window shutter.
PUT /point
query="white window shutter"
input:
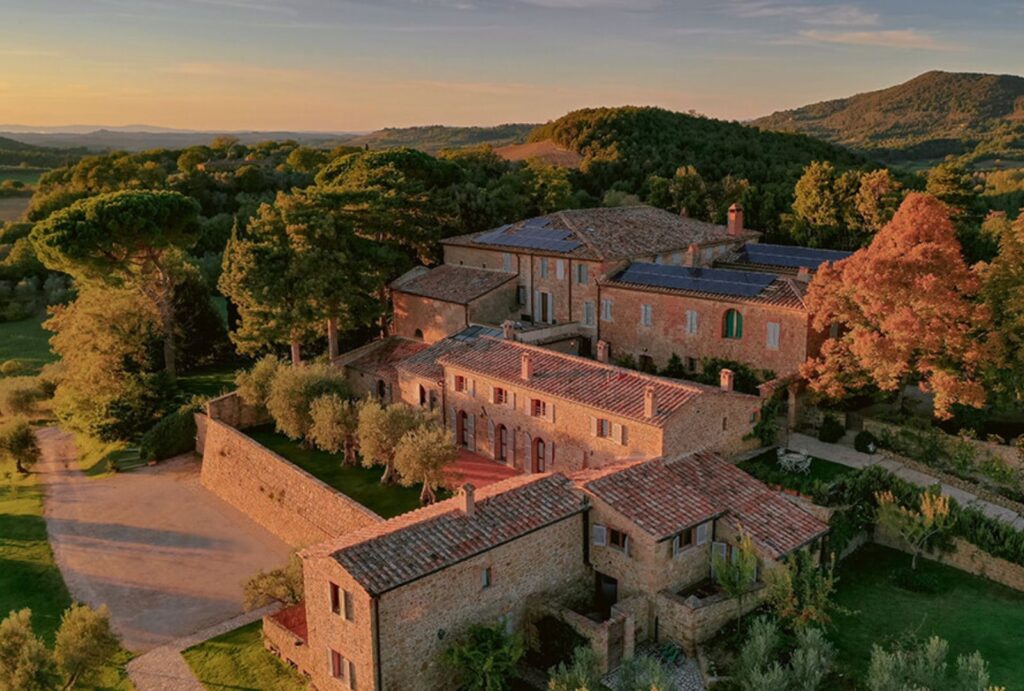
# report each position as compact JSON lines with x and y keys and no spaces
{"x":599,"y":535}
{"x":559,"y":269}
{"x":536,"y":306}
{"x":471,"y":432}
{"x":593,"y":426}
{"x":617,"y":432}
{"x":702,"y":533}
{"x":514,"y":400}
{"x":527,"y":452}
{"x":718,"y":549}
{"x":472,"y":388}
{"x":451,"y":418}
{"x":490,"y":436}
{"x":675,"y":546}
{"x":551,"y":307}
{"x":625,"y":545}
{"x":550,"y":407}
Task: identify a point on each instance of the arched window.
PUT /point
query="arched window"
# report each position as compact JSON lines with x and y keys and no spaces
{"x":418,"y":334}
{"x":732,"y":324}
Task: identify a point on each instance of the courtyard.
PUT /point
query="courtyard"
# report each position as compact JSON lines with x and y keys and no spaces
{"x":166,"y":555}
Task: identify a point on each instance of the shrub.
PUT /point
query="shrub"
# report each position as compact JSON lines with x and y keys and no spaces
{"x":831,"y":430}
{"x":18,"y":395}
{"x":485,"y":658}
{"x":12,"y":367}
{"x":175,"y":434}
{"x":644,"y":673}
{"x":865,"y":442}
{"x":582,"y":674}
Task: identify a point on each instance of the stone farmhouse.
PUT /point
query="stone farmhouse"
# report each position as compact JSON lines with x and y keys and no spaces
{"x":620,"y":479}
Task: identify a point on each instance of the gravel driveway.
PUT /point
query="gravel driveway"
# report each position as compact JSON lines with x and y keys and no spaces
{"x":166,"y":556}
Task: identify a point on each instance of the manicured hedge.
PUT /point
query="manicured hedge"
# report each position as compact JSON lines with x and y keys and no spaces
{"x":173,"y":435}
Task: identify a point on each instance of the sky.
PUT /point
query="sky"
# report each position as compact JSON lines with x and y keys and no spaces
{"x":358,"y":65}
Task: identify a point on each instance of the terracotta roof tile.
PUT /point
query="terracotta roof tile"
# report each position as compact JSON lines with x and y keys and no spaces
{"x":664,"y":496}
{"x":452,"y":283}
{"x":389,"y":352}
{"x":392,"y":553}
{"x":613,"y":233}
{"x":605,"y":387}
{"x":293,"y":618}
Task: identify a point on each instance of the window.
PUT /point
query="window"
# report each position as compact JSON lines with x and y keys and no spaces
{"x":692,"y":322}
{"x":600,"y":427}
{"x":506,"y":262}
{"x":588,"y":312}
{"x":682,"y":541}
{"x":521,"y":295}
{"x":599,"y":535}
{"x":732,"y":324}
{"x":618,"y":540}
{"x":350,"y":613}
{"x":582,"y":274}
{"x":691,"y":364}
{"x":725,"y":424}
{"x":773,"y":335}
{"x":538,"y":408}
{"x":499,"y":396}
{"x":335,"y":598}
{"x":619,"y":433}
{"x":606,"y":310}
{"x":418,"y":334}
{"x":703,"y":533}
{"x":485,"y":577}
{"x":542,"y":267}
{"x":423,"y":396}
{"x":560,"y":269}
{"x":338,"y":666}
{"x":646,"y":315}
{"x":460,"y":382}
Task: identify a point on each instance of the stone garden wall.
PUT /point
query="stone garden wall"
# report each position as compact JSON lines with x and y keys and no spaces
{"x":690,"y":621}
{"x":283,"y":498}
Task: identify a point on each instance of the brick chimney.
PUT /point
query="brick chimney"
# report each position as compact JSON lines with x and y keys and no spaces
{"x":526,"y":366}
{"x":467,"y":501}
{"x":650,"y":402}
{"x":735,"y":220}
{"x":803,"y":274}
{"x":602,"y":351}
{"x":508,"y":330}
{"x":726,"y":378}
{"x":691,"y":258}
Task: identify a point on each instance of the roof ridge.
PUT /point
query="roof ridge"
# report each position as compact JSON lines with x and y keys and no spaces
{"x":578,"y":235}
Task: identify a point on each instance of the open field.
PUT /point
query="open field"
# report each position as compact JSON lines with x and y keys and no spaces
{"x":28,"y":574}
{"x":970,"y":612}
{"x":362,"y":484}
{"x":28,"y":341}
{"x":28,"y":176}
{"x":11,"y":208}
{"x":237,"y":660}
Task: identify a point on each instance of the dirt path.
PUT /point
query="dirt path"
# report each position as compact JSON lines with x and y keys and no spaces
{"x":167,"y":557}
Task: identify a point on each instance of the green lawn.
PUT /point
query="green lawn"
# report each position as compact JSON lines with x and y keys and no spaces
{"x":237,"y":660}
{"x":766,"y":469}
{"x":360,"y":483}
{"x":28,"y":575}
{"x":28,"y":341}
{"x":209,"y":382}
{"x":970,"y":612}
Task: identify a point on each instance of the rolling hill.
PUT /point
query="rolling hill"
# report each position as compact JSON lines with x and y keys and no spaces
{"x":433,"y":138}
{"x":977,"y":116}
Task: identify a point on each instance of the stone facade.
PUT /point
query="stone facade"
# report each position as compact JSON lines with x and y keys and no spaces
{"x":430,"y":320}
{"x":668,"y":335}
{"x":691,"y":621}
{"x":284,"y":499}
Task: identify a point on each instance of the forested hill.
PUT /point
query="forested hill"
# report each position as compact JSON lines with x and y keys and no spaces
{"x":14,"y":153}
{"x":434,"y":138}
{"x":633,"y":150}
{"x":978,"y":116}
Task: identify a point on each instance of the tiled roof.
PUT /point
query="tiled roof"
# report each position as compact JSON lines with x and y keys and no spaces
{"x":665,"y":496}
{"x":392,"y":553}
{"x":386,"y":354}
{"x":612,"y":233}
{"x":452,"y":283}
{"x":613,"y":389}
{"x":782,"y":292}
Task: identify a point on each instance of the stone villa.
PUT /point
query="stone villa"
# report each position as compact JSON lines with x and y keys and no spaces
{"x":621,"y":489}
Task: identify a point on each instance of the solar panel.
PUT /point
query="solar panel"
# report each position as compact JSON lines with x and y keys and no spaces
{"x":719,"y":281}
{"x":532,"y":234}
{"x":794,"y":257}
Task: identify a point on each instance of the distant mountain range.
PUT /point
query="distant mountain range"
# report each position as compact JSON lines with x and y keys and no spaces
{"x":977,"y":116}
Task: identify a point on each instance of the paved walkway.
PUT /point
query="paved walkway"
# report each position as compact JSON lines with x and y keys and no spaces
{"x":164,"y":554}
{"x":845,"y":455}
{"x":164,"y":669}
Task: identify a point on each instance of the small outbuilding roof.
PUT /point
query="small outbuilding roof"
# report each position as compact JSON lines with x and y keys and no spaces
{"x":451,"y":282}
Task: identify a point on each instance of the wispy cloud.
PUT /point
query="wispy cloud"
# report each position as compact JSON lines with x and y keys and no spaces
{"x":907,"y":39}
{"x":818,"y":15}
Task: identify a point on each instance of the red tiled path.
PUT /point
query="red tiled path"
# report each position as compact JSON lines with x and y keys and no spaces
{"x":477,"y":470}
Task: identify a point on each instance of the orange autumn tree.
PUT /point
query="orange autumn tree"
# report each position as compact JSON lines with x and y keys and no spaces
{"x":906,"y":310}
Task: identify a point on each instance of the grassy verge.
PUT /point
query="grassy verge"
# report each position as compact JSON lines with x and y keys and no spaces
{"x":362,"y":484}
{"x":26,"y":340}
{"x":209,"y":382}
{"x":28,"y":574}
{"x":766,"y":469}
{"x":237,"y":660}
{"x":970,"y":612}
{"x":95,"y":457}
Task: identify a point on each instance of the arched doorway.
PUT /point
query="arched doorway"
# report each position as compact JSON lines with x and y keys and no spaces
{"x":461,"y":428}
{"x":382,"y":389}
{"x":501,"y":443}
{"x":539,"y":455}
{"x":418,"y":334}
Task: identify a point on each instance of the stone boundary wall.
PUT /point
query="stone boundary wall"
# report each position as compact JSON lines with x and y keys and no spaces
{"x":965,"y":557}
{"x":1006,"y":453}
{"x":287,"y":647}
{"x":283,"y":498}
{"x":691,"y":621}
{"x":230,"y":410}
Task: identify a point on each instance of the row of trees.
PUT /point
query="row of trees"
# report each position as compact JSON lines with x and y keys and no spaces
{"x":312,"y":403}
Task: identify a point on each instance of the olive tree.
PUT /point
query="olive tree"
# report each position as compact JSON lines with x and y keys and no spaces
{"x":421,"y":456}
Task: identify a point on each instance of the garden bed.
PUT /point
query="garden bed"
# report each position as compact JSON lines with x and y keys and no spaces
{"x":765,"y":467}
